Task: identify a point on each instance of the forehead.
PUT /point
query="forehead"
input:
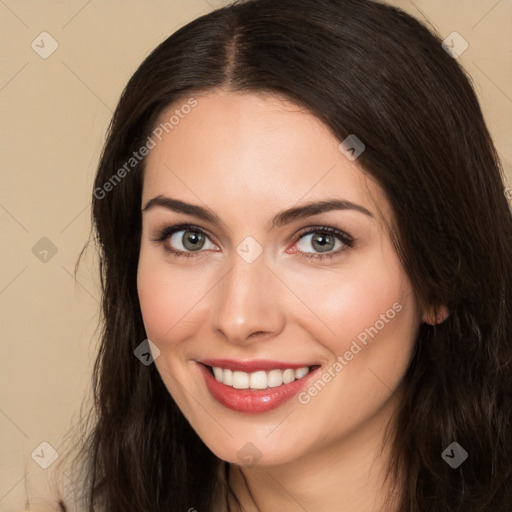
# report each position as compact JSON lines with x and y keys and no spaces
{"x":231,"y":148}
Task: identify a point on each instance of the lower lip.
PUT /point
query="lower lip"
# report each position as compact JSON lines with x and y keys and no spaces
{"x":252,"y":401}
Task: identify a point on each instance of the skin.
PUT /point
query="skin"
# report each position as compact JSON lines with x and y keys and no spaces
{"x":248,"y":157}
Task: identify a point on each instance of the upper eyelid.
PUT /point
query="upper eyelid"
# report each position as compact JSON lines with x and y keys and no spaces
{"x":173,"y":229}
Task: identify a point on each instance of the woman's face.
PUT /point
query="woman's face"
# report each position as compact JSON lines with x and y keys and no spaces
{"x":248,"y":291}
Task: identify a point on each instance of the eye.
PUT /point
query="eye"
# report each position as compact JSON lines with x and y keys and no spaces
{"x":184,"y":240}
{"x":327,"y":241}
{"x":189,"y":241}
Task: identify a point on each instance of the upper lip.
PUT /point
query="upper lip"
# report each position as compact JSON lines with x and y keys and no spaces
{"x":253,"y":365}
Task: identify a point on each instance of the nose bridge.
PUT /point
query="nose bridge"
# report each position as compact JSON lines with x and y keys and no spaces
{"x":247,"y":301}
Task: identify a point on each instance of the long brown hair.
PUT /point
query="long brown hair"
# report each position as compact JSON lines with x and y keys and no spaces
{"x":363,"y":68}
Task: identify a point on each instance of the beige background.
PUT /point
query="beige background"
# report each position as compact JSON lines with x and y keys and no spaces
{"x":55,"y":112}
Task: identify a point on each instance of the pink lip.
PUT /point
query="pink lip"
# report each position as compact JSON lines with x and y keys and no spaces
{"x":249,"y":400}
{"x":253,"y":366}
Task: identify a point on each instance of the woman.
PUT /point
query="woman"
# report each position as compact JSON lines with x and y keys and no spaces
{"x":300,"y":205}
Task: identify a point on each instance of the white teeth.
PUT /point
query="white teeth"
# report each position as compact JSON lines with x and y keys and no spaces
{"x":240,"y":380}
{"x":274,"y":378}
{"x":227,"y":377}
{"x":288,"y":376}
{"x":301,"y":372}
{"x":260,"y":379}
{"x":218,"y":373}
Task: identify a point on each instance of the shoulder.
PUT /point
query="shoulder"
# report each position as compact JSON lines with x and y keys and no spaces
{"x":47,"y":491}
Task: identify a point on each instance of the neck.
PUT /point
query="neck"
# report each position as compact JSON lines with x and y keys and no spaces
{"x":348,"y":475}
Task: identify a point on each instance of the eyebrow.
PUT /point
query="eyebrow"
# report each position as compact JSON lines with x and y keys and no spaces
{"x":281,"y":219}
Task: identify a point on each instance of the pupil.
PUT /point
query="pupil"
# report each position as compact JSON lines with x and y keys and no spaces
{"x":192,"y":240}
{"x":326,"y":242}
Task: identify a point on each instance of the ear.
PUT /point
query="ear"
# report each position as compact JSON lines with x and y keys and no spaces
{"x":434,"y":316}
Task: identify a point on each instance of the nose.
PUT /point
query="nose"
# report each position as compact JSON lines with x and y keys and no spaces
{"x":247,"y":305}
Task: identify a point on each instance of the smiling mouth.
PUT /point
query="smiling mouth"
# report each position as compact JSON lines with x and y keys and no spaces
{"x":258,"y":380}
{"x":255,"y":386}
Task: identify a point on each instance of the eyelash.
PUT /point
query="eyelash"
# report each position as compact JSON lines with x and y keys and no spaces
{"x":345,"y":238}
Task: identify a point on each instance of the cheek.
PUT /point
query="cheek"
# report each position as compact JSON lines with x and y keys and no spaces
{"x":150,"y":297}
{"x":371,"y":300}
{"x":169,"y":298}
